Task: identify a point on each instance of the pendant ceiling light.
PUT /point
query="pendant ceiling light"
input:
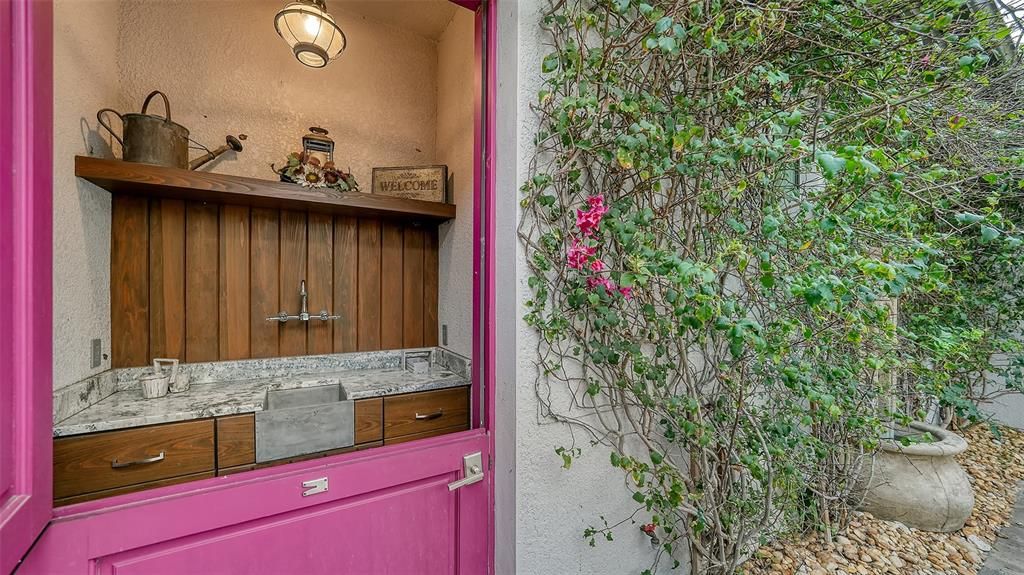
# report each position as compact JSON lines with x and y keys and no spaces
{"x":311,"y":32}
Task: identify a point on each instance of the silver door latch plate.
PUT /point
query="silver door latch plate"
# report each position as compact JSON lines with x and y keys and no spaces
{"x":314,"y":486}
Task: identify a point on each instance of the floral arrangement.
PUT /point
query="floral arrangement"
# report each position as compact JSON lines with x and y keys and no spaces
{"x":309,"y":173}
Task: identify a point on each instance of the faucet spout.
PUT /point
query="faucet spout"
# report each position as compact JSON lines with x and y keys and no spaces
{"x":304,"y":313}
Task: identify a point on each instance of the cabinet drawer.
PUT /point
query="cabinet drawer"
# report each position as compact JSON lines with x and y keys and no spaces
{"x":116,"y":458}
{"x":425,"y":411}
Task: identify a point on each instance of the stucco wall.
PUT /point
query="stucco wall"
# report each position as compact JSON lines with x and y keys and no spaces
{"x":225,"y":70}
{"x":554,"y":505}
{"x":455,"y":110}
{"x":85,"y":80}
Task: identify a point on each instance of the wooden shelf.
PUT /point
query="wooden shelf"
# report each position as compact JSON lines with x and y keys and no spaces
{"x":157,"y":181}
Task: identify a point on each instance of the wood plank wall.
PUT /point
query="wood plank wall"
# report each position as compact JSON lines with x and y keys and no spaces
{"x":196,"y":281}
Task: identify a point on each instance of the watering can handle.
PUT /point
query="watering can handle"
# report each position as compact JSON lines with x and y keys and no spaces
{"x":99,"y":118}
{"x":167,"y":105}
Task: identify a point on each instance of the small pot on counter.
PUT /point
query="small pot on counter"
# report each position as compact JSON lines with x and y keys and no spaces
{"x":154,"y":385}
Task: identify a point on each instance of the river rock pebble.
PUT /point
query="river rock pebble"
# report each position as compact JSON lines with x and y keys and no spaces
{"x":871,"y":546}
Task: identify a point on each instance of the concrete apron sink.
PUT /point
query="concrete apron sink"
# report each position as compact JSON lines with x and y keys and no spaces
{"x":304,"y":420}
{"x":921,"y":485}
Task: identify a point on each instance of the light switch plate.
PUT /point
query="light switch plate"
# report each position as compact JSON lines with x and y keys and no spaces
{"x":97,"y":352}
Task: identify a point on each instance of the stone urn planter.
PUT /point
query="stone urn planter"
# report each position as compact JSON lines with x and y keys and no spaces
{"x":920,"y":485}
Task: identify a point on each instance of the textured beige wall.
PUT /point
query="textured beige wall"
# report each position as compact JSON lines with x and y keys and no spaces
{"x":455,"y":108}
{"x":225,"y":70}
{"x":85,"y":80}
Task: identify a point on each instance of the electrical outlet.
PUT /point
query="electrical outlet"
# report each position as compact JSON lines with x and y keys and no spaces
{"x":97,"y":352}
{"x":444,"y":334}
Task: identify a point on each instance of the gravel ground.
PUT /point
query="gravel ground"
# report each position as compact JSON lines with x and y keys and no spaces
{"x":872,"y":546}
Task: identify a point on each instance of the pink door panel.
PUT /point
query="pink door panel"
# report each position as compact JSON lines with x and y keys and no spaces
{"x":25,"y":285}
{"x":389,"y":512}
{"x":406,"y":529}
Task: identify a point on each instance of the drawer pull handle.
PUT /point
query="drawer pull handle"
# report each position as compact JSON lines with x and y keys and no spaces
{"x":118,"y":464}
{"x":427,"y":416}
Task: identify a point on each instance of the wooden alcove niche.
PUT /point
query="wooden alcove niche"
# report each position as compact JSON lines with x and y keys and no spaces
{"x":199,"y":260}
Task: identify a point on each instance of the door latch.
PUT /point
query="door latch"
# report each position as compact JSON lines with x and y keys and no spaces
{"x":472,"y":471}
{"x":314,"y":486}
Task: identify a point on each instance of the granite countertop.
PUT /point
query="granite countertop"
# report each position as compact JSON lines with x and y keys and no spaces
{"x":127,"y":408}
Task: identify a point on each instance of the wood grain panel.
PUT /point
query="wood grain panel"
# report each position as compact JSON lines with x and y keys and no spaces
{"x":84,"y":464}
{"x":369,"y":282}
{"x":201,"y":282}
{"x":430,"y":283}
{"x":236,"y":440}
{"x":412,"y":293}
{"x":369,"y":416}
{"x":264,"y":283}
{"x":425,"y":411}
{"x":167,"y":279}
{"x":234,"y":282}
{"x":425,"y":434}
{"x":319,"y":277}
{"x":131,"y":489}
{"x":129,"y":282}
{"x":196,"y":282}
{"x":346,"y":273}
{"x":293,"y":271}
{"x":391,"y":286}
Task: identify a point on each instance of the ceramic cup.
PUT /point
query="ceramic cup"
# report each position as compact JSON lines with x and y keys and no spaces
{"x":179,"y":380}
{"x":154,"y":385}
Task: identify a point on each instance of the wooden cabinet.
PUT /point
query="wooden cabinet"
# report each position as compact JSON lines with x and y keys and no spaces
{"x":369,"y":420}
{"x":117,"y":459}
{"x":236,"y":440}
{"x":427,"y":411}
{"x":108,"y":463}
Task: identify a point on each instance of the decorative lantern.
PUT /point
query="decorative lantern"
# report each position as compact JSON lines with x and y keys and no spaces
{"x":311,"y":32}
{"x":317,"y":145}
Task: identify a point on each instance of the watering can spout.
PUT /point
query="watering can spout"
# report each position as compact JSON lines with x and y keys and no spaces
{"x":230,"y":143}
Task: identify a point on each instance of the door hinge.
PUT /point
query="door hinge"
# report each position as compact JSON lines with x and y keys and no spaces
{"x":490,"y":462}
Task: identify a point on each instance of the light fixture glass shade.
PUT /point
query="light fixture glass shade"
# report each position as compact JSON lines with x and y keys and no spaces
{"x":311,"y":32}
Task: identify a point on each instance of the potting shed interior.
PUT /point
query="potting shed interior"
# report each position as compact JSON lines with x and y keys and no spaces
{"x":306,"y":320}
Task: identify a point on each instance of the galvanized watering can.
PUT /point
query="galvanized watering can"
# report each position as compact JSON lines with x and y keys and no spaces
{"x":151,"y":139}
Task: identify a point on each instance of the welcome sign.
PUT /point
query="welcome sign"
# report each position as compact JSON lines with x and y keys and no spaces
{"x":414,"y":182}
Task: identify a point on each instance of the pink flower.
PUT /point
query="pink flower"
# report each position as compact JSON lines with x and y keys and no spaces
{"x":578,"y":254}
{"x":597,"y":265}
{"x":627,"y":292}
{"x":588,"y":220}
{"x":605,"y":282}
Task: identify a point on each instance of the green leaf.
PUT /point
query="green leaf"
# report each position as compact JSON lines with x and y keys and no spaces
{"x":988,"y":233}
{"x":550,"y":63}
{"x":639,"y":497}
{"x":656,"y":458}
{"x":831,"y":164}
{"x":967,"y":218}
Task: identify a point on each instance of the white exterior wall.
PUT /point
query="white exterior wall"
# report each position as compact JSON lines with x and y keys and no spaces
{"x":552,"y":506}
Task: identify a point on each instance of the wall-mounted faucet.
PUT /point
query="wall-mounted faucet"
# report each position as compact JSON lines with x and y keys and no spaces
{"x":324,"y":315}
